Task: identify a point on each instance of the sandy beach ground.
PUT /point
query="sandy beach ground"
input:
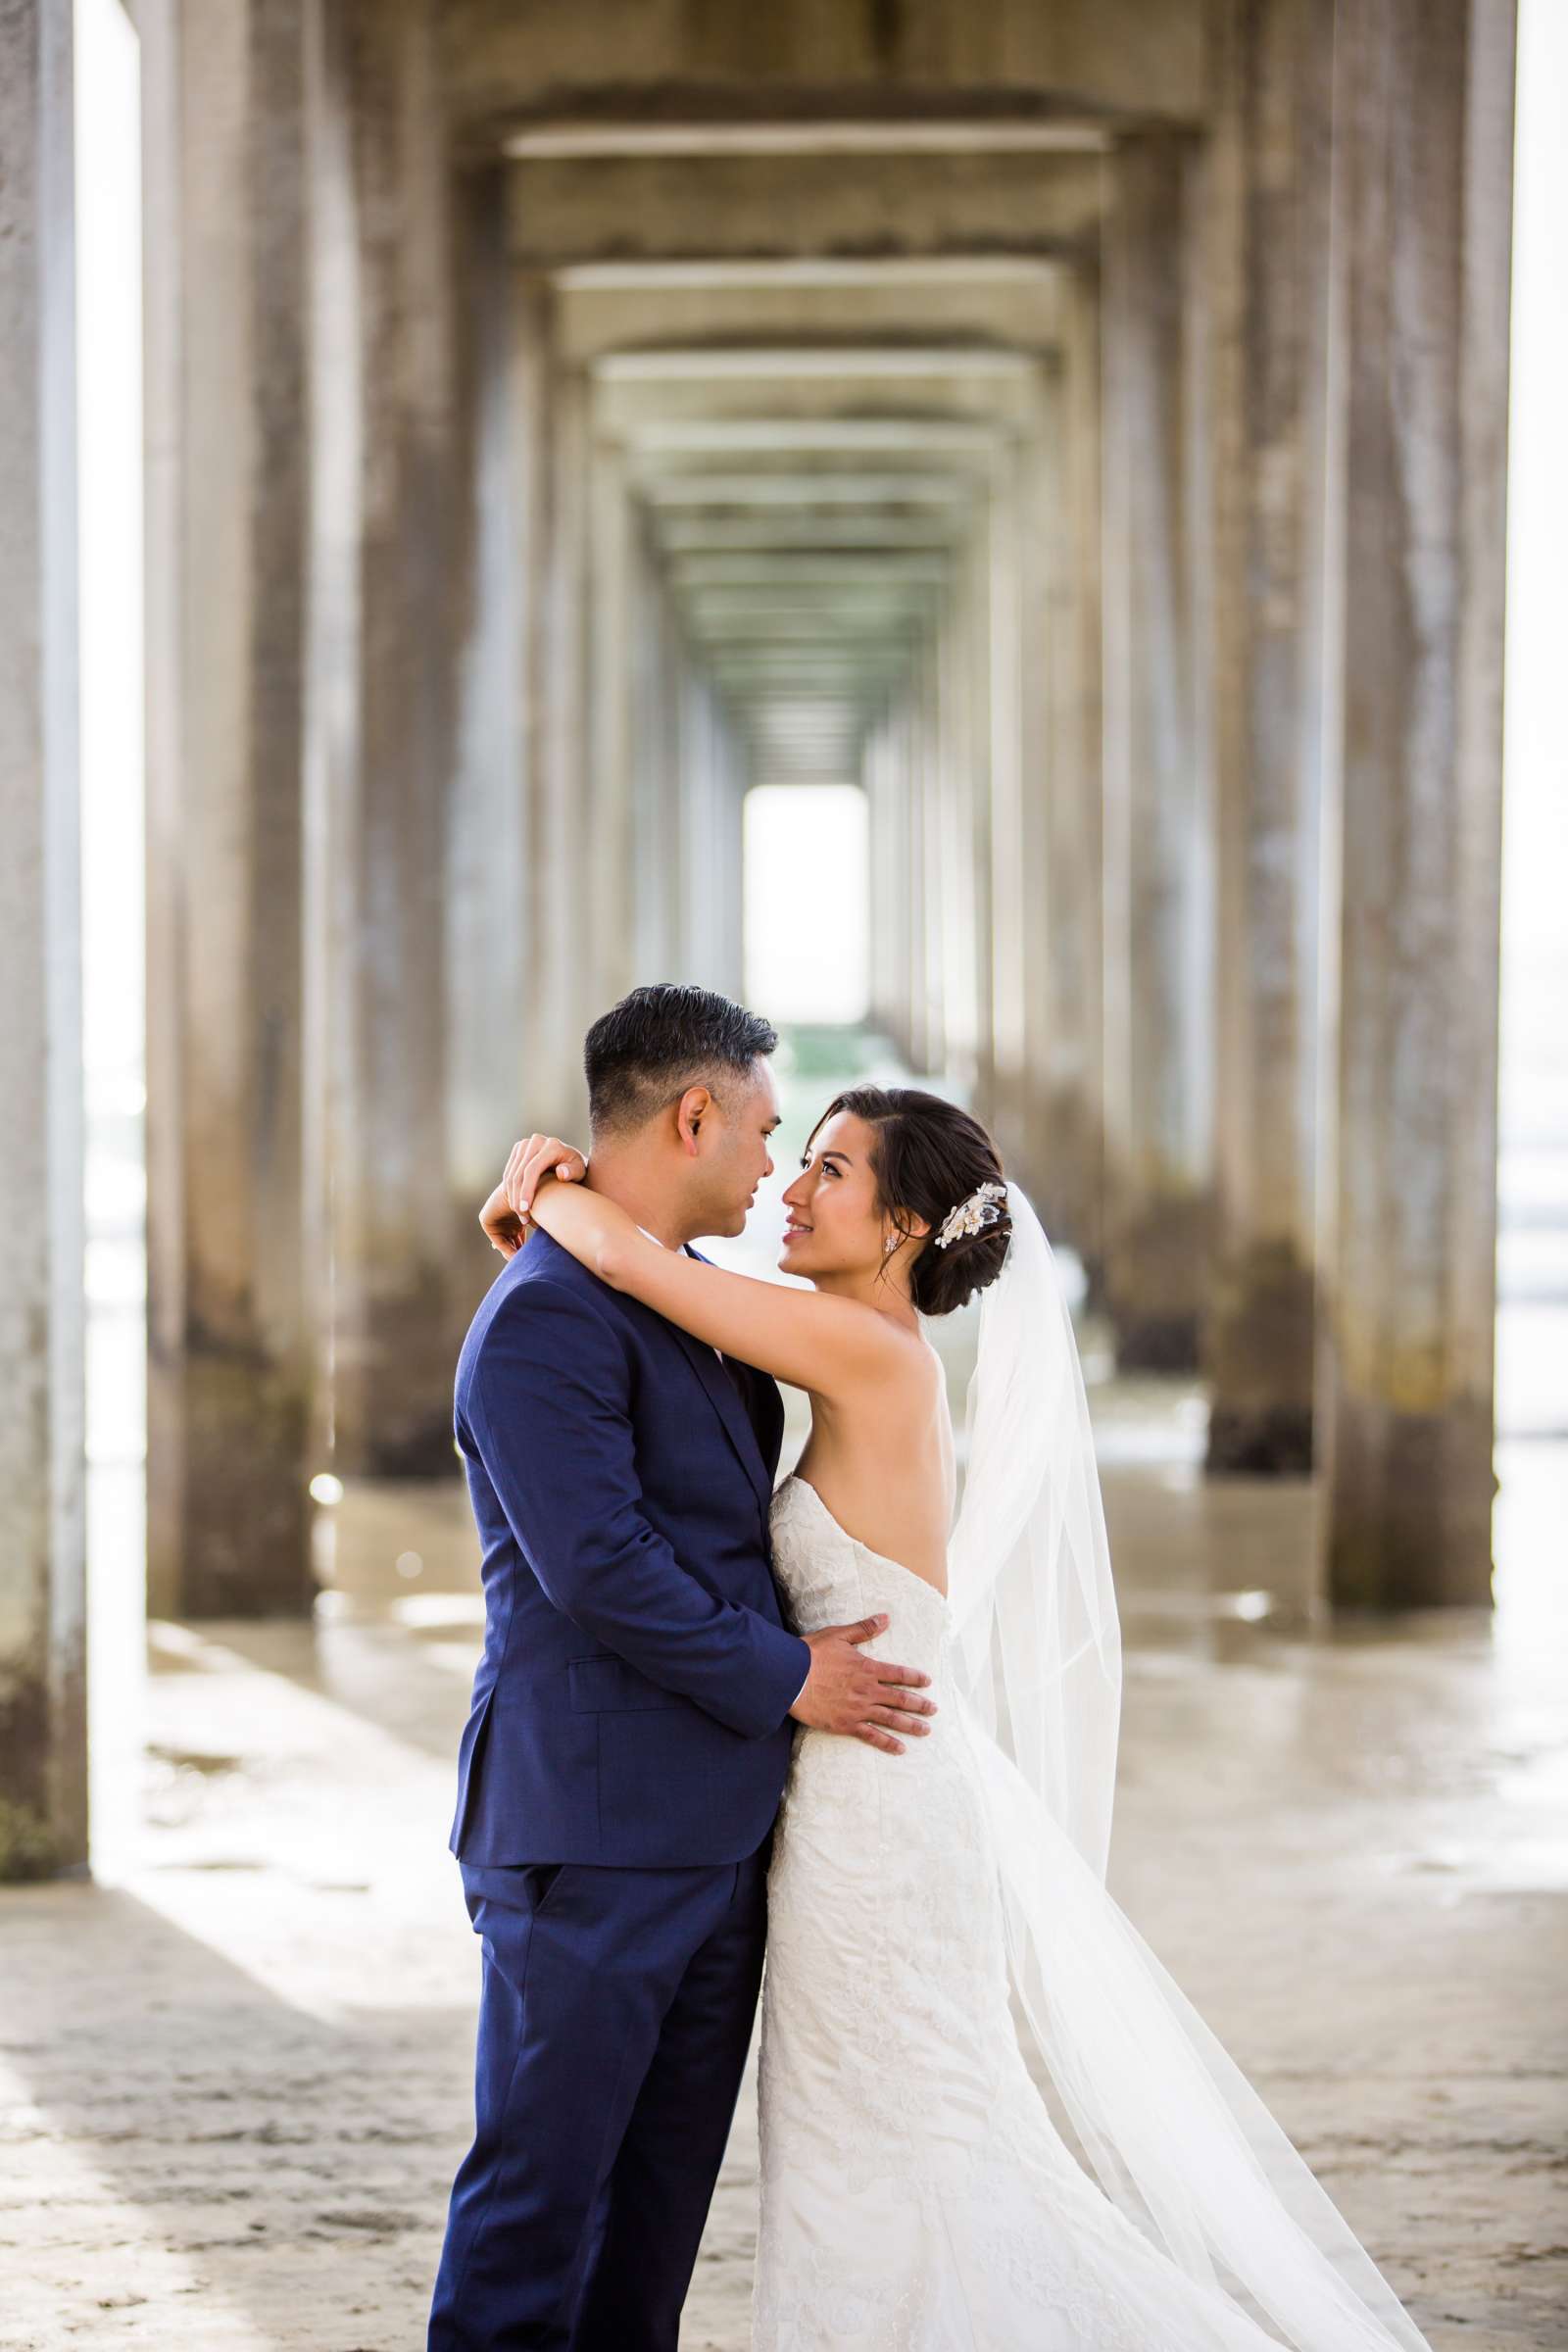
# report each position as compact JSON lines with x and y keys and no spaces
{"x":235,"y":2082}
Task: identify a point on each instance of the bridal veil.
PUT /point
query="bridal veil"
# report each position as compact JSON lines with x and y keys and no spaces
{"x":1164,"y":2119}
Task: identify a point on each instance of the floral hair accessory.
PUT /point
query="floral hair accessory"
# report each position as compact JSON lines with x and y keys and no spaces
{"x":979,"y":1210}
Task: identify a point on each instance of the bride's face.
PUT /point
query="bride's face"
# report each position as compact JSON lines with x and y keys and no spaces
{"x":835,"y":1225}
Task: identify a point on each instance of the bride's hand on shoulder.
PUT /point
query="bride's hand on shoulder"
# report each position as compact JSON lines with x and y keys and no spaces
{"x":507,"y":1217}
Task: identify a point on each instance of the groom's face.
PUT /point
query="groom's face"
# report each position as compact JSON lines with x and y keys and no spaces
{"x":734,"y":1151}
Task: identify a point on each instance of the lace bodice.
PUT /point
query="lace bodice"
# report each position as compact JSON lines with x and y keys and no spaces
{"x":829,"y":1577}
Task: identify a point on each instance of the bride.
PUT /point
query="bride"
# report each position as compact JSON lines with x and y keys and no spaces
{"x":920,"y":2190}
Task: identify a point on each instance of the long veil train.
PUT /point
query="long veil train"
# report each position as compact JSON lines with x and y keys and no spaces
{"x":1168,"y":2123}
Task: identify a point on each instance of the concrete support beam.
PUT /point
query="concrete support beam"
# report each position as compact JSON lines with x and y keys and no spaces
{"x":1157,"y":920}
{"x":43,"y":1723}
{"x":387,"y":568}
{"x":1266,"y":299}
{"x":714,"y":70}
{"x":230,"y":1365}
{"x":747,"y":209}
{"x":1425,"y":122}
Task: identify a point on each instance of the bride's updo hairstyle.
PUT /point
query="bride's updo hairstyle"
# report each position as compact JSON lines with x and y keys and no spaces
{"x":928,"y":1156}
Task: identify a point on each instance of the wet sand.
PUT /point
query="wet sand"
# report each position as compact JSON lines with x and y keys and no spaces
{"x":234,"y":2084}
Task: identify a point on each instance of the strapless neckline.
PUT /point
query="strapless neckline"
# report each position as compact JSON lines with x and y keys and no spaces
{"x":792,"y":1477}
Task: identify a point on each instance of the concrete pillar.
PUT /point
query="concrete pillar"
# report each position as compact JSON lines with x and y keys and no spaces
{"x":1267,"y":307}
{"x":607,"y":950}
{"x":564,"y":994}
{"x":488,"y":874}
{"x":905,"y":722}
{"x":387,"y":580}
{"x":1424,"y":139}
{"x":1068,"y":1115}
{"x":710,"y":836}
{"x":1013,"y":938}
{"x":43,"y":1727}
{"x":1157,"y":920}
{"x":959,"y":877}
{"x":891,"y":881}
{"x":929,"y":768}
{"x":656,"y":781}
{"x":227,"y":464}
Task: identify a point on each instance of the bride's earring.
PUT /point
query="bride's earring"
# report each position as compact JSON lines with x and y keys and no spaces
{"x":890,"y":1244}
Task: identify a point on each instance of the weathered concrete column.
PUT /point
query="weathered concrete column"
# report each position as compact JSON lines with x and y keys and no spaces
{"x":1424,"y":136}
{"x":224,"y":103}
{"x":1068,"y":1115}
{"x":1011,"y":841}
{"x":605,"y":954}
{"x":388,"y":576}
{"x":961,"y":834}
{"x":711,"y":833}
{"x":1267,"y":301}
{"x":917,"y":735}
{"x":43,"y":1719}
{"x":563,"y":995}
{"x":928,"y":786}
{"x":892,"y":880}
{"x":656,"y":782}
{"x":487,"y":881}
{"x":1158,"y":924}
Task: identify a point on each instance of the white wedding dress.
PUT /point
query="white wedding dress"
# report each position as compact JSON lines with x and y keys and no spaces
{"x":916,"y":2195}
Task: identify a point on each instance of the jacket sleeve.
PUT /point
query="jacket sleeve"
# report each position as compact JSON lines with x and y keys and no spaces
{"x":548,"y":1406}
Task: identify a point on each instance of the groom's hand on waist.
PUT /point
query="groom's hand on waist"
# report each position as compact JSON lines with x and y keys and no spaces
{"x":863,"y":1698}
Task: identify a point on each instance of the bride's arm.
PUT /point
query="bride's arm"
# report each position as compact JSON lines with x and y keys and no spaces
{"x":822,"y":1344}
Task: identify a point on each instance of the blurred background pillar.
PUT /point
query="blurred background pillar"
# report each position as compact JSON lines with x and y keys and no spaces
{"x":564,"y":980}
{"x":487,"y":931}
{"x":1063,"y":783}
{"x":1268,"y":180}
{"x":43,"y":1721}
{"x":227,"y":472}
{"x":1157,"y":860}
{"x":1423,"y":111}
{"x":389,"y":573}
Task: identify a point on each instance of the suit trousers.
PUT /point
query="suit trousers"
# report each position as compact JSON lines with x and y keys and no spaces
{"x":616,"y":2014}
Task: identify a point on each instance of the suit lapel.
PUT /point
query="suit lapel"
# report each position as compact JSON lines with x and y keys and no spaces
{"x":729,"y":1406}
{"x":725,"y":1400}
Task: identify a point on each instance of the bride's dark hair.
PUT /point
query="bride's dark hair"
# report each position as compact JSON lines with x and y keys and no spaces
{"x":927,"y":1156}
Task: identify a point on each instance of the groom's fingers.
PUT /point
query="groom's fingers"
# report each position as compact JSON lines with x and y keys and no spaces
{"x":895,"y":1721}
{"x":898,"y":1684}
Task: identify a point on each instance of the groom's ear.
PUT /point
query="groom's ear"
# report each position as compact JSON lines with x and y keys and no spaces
{"x":694,"y":1106}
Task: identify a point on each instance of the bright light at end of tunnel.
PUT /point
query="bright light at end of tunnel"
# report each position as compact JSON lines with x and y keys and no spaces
{"x":325,"y":1489}
{"x":807,"y":902}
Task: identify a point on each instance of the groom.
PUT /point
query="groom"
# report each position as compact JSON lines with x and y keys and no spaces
{"x":632,"y":1722}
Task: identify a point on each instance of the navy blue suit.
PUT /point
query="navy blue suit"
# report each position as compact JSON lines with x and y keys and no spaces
{"x":618,"y":1781}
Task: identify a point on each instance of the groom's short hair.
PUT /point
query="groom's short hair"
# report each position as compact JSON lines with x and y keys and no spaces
{"x":645,"y":1052}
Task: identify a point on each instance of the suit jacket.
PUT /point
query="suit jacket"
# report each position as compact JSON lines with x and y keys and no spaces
{"x":631,"y":1704}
